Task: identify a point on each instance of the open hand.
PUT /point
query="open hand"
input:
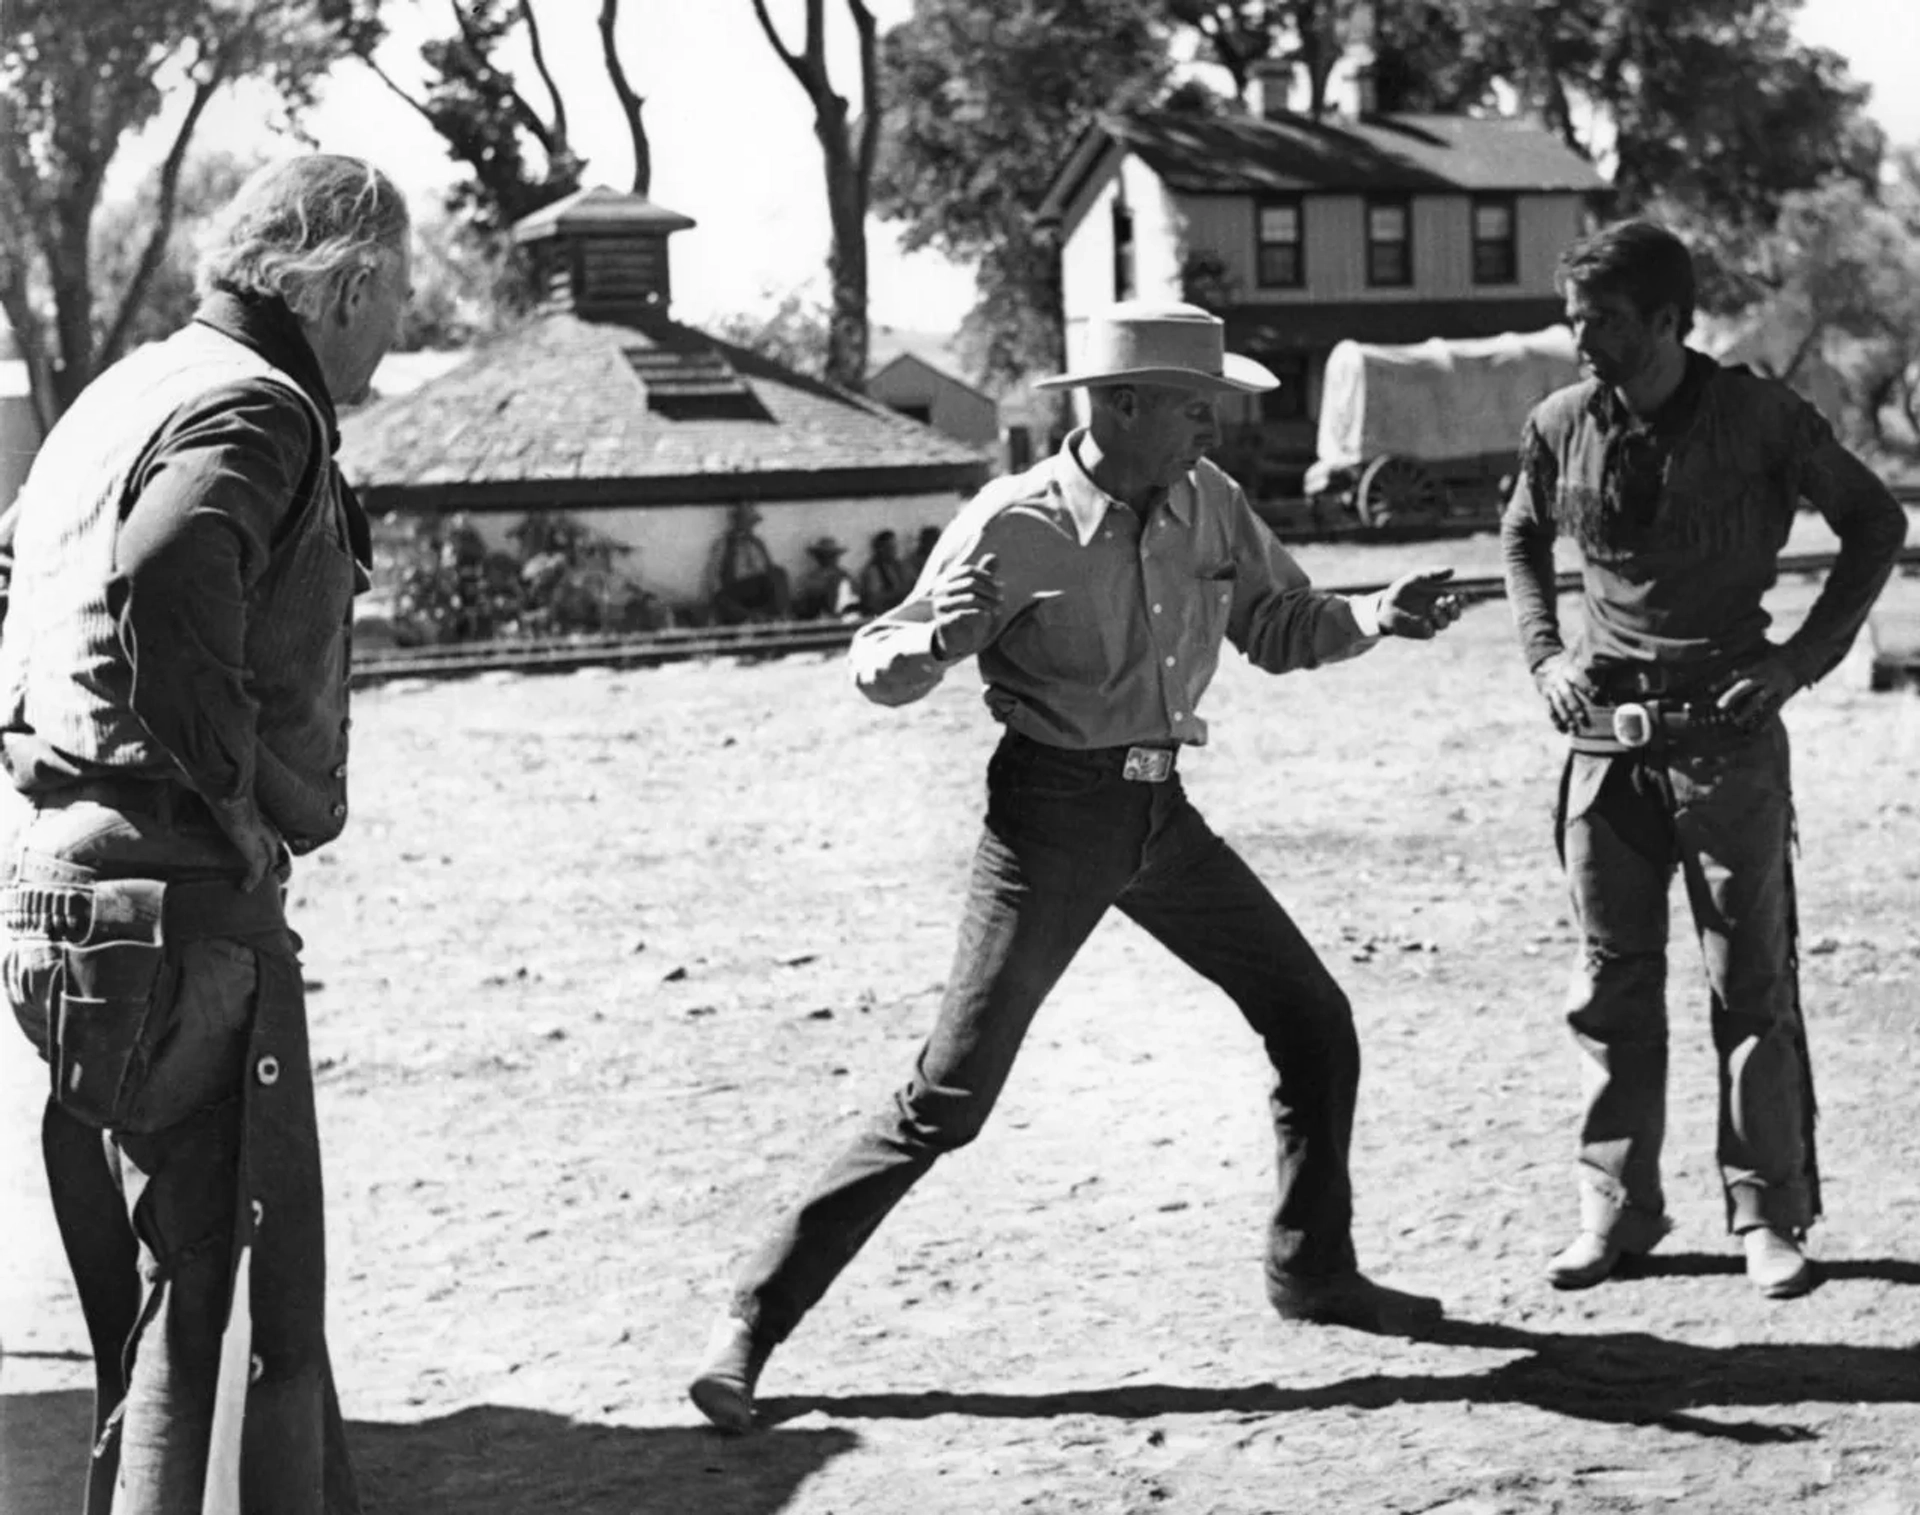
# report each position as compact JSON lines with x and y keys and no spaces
{"x":1756,"y":690}
{"x":1565,"y":689}
{"x":966,"y":600}
{"x":1418,"y":605}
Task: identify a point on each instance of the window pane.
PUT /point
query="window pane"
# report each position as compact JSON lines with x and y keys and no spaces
{"x":1493,"y":222}
{"x":1387,"y":223}
{"x":1279,"y":264}
{"x":1387,"y":263}
{"x":1493,"y":263}
{"x":1279,"y":223}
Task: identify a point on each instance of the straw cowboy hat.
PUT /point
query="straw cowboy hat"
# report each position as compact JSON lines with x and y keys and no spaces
{"x":1161,"y":342}
{"x":826,"y":547}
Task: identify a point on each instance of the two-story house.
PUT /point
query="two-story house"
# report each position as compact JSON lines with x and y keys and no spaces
{"x":1299,"y":233}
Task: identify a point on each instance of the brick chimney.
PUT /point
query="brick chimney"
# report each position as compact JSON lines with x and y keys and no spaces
{"x":1270,"y":87}
{"x":602,"y":256}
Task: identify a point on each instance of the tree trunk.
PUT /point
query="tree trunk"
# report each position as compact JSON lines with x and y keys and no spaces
{"x":847,"y":335}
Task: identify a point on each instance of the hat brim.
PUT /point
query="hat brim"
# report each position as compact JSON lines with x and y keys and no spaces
{"x":1237,"y":375}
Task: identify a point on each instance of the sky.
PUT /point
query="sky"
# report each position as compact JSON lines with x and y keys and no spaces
{"x":732,"y":134}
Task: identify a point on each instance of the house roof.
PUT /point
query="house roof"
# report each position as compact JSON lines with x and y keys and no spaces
{"x":599,"y":211}
{"x":1201,"y":154}
{"x":575,"y":411}
{"x":906,"y":360}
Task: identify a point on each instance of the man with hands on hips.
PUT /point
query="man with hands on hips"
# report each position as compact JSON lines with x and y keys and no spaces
{"x":1677,"y":480}
{"x":1096,"y":590}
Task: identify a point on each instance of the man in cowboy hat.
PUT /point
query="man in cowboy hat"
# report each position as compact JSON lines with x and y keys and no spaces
{"x":826,"y":589}
{"x":1096,"y":589}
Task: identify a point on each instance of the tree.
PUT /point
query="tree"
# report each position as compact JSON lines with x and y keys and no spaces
{"x":848,"y":153}
{"x":208,"y":181}
{"x":77,"y":79}
{"x":518,"y":156}
{"x":1313,"y":34}
{"x":795,"y":333}
{"x":1709,"y":103}
{"x":986,"y":98}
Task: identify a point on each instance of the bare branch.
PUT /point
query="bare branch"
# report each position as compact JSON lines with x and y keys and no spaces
{"x":552,"y":141}
{"x":387,"y":79}
{"x":136,"y":291}
{"x":792,"y":60}
{"x":540,"y":62}
{"x":630,"y":102}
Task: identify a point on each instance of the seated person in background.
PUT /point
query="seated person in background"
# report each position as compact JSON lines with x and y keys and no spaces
{"x":922,"y":550}
{"x":750,"y":585}
{"x":826,"y":589}
{"x":885,"y":581}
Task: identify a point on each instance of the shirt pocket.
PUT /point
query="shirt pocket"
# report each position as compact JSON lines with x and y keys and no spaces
{"x":1211,"y":603}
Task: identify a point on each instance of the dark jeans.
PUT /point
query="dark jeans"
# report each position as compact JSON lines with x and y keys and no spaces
{"x":1066,"y":837}
{"x":1723,"y":816}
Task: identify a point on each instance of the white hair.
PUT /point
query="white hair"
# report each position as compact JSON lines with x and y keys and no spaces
{"x":297,"y":228}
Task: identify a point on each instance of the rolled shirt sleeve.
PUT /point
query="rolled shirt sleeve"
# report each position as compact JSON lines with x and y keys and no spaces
{"x":1280,"y":621}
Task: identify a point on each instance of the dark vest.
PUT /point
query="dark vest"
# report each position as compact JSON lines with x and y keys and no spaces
{"x":63,"y":673}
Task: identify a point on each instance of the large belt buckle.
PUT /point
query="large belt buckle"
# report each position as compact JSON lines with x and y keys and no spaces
{"x":1148,"y":765}
{"x":1632,"y":725}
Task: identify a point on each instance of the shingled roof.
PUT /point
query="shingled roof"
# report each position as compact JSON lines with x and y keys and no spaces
{"x":565,"y":411}
{"x":1290,"y":154}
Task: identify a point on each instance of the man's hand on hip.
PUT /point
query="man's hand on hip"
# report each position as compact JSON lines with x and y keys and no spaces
{"x":1565,"y":689}
{"x":966,"y":600}
{"x":1418,"y":605}
{"x":1754,"y":691}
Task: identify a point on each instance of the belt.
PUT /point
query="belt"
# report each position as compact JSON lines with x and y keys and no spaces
{"x":1652,"y":726}
{"x":1142,"y":763}
{"x":139,"y":910}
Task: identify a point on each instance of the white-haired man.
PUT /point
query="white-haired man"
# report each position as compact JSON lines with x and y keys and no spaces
{"x":173,"y":707}
{"x":1096,"y":590}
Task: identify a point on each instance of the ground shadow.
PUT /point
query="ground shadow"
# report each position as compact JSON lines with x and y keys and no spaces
{"x":489,"y":1460}
{"x":1892,"y":1270}
{"x":1629,"y":1377}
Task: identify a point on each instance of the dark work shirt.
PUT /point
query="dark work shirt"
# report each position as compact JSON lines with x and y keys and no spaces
{"x":221,"y":584}
{"x":1679,"y":519}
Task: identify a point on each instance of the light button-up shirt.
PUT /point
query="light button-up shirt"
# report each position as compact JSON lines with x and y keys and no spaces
{"x":1110,"y":622}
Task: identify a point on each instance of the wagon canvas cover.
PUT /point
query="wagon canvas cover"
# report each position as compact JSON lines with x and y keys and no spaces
{"x":1437,"y":399}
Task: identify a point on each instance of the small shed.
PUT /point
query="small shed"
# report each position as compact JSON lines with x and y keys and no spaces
{"x":934,"y":397}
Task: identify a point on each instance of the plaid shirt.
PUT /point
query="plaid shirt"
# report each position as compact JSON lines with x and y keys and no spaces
{"x":1680,"y":519}
{"x":1110,"y":622}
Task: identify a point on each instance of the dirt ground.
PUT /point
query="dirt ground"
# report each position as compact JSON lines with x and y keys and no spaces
{"x":608,"y":963}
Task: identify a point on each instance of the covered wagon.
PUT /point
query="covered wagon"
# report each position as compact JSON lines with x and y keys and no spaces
{"x":1426,"y":434}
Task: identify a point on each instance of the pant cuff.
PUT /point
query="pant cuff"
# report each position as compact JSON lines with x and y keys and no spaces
{"x":1787,"y":1208}
{"x":1610,"y":1217}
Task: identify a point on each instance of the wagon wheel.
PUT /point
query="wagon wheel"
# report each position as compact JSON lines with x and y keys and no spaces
{"x":1396,"y":491}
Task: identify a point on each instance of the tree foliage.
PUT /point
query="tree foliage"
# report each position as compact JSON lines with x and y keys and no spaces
{"x":1311,"y":35}
{"x":208,"y":181}
{"x":1707,"y":103}
{"x":985,"y":100}
{"x":516,"y":150}
{"x":78,"y":78}
{"x":795,"y":333}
